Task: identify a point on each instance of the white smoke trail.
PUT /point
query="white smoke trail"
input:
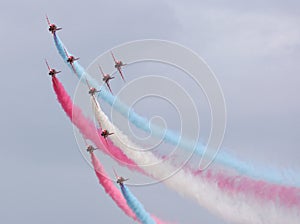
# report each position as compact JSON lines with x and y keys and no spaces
{"x":237,"y":208}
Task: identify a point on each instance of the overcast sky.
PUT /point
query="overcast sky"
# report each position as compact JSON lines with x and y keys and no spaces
{"x":252,"y":47}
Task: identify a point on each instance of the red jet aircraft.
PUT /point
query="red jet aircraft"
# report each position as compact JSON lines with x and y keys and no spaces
{"x":52,"y":27}
{"x":106,"y":78}
{"x":105,"y":133}
{"x":90,"y":148}
{"x":120,"y":179}
{"x":52,"y":71}
{"x":118,"y":65}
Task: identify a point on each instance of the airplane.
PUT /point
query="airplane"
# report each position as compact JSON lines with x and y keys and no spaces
{"x":90,"y":148}
{"x":93,"y":90}
{"x":52,"y":71}
{"x":106,"y":78}
{"x":120,"y":179}
{"x":71,"y":58}
{"x":105,"y":133}
{"x":118,"y":65}
{"x":52,"y":27}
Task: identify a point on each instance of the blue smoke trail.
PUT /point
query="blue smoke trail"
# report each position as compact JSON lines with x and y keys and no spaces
{"x":142,"y":215}
{"x":226,"y":159}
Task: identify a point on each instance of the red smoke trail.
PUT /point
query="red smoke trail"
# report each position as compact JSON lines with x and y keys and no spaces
{"x":286,"y":196}
{"x":86,"y":126}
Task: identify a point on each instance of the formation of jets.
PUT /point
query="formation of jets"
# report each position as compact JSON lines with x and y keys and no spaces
{"x":118,"y":64}
{"x":105,"y":78}
{"x":119,"y":179}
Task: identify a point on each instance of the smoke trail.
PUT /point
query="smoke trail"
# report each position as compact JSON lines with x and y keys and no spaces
{"x":136,"y":206}
{"x":88,"y":129}
{"x":113,"y":191}
{"x":86,"y":126}
{"x":215,"y":196}
{"x":258,"y":172}
{"x":110,"y":188}
{"x":287,"y":196}
{"x":60,"y":48}
{"x":231,"y":198}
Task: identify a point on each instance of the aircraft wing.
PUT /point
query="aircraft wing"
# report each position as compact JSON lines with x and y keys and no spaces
{"x":47,"y":64}
{"x":47,"y":20}
{"x":108,"y":87}
{"x":75,"y":70}
{"x":66,"y":52}
{"x":120,"y":71}
{"x":112,"y":54}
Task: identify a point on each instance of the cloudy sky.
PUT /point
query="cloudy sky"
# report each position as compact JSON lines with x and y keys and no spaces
{"x":253,"y":48}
